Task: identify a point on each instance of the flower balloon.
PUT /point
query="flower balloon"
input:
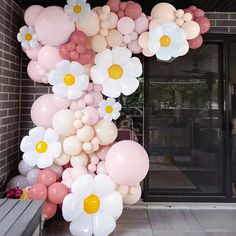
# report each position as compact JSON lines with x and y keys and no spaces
{"x":77,"y":9}
{"x":40,"y":147}
{"x":109,"y":109}
{"x":27,"y":37}
{"x":117,"y":71}
{"x":93,"y":206}
{"x":167,"y":40}
{"x":68,"y":79}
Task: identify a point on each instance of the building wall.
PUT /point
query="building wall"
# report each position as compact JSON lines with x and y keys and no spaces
{"x":10,"y":74}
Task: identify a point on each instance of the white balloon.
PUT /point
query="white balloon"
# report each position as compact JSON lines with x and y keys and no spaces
{"x":32,"y":176}
{"x":24,"y":168}
{"x":79,"y":161}
{"x":85,"y":134}
{"x":72,"y":146}
{"x":63,"y":159}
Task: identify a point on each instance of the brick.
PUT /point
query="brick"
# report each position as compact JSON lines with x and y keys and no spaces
{"x":225,"y":22}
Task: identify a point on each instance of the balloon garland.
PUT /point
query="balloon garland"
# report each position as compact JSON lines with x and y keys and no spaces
{"x":71,"y":157}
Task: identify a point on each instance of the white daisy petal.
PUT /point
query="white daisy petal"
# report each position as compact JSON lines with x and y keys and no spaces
{"x":121,"y":55}
{"x":74,"y":92}
{"x":37,"y":133}
{"x":112,"y":204}
{"x":129,"y":85}
{"x":60,"y":90}
{"x":153,"y":45}
{"x":83,"y":81}
{"x":72,"y":207}
{"x":83,"y":186}
{"x":111,"y":101}
{"x":44,"y":161}
{"x":111,"y":88}
{"x":99,"y":74}
{"x":51,"y":136}
{"x":133,"y":67}
{"x":72,"y":2}
{"x":115,"y":115}
{"x":54,"y":149}
{"x":169,"y":28}
{"x":30,"y":158}
{"x":101,"y":112}
{"x":104,"y":59}
{"x":27,"y":144}
{"x":82,"y":226}
{"x":103,"y":185}
{"x":81,"y":2}
{"x":76,"y":68}
{"x":117,"y":106}
{"x":25,"y":44}
{"x":164,"y":54}
{"x":108,"y":117}
{"x":103,"y":224}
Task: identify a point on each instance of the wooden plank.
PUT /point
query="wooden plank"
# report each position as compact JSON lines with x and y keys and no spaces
{"x":6,"y":207}
{"x":28,"y":221}
{"x":12,"y":216}
{"x":2,"y":200}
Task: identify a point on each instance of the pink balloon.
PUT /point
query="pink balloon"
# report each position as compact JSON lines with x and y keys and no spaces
{"x":65,"y":54}
{"x":101,"y":168}
{"x":133,"y":10}
{"x":204,"y":24}
{"x":192,"y":8}
{"x":48,"y":57}
{"x":32,"y":53}
{"x":37,"y":192}
{"x":87,"y":57}
{"x":79,"y":37}
{"x":114,"y":5}
{"x":57,"y":193}
{"x":123,"y":5}
{"x":102,"y":152}
{"x":53,"y":26}
{"x":126,"y":25}
{"x":80,"y":48}
{"x":90,"y":116}
{"x":134,"y":47}
{"x":196,"y":43}
{"x":74,"y":55}
{"x":32,"y":13}
{"x":36,"y":72}
{"x":71,"y":46}
{"x":198,"y":13}
{"x":49,"y":210}
{"x":127,"y":163}
{"x":141,"y":24}
{"x":47,"y":177}
{"x":121,"y":14}
{"x":44,"y":108}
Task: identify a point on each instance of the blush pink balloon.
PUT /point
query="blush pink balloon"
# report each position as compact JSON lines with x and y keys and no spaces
{"x":141,"y":24}
{"x":49,"y":210}
{"x":127,"y":163}
{"x":37,"y":192}
{"x":53,"y":26}
{"x":126,"y":25}
{"x":192,"y":8}
{"x":57,"y":193}
{"x":204,"y":24}
{"x":44,"y":108}
{"x":133,"y":10}
{"x":32,"y":53}
{"x":36,"y":72}
{"x":134,"y":47}
{"x":101,"y":168}
{"x":195,"y":43}
{"x":48,"y":57}
{"x":123,"y":5}
{"x":32,"y":13}
{"x":114,"y":5}
{"x":90,"y":116}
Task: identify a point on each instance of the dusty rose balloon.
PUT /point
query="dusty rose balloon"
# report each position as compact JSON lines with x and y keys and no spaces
{"x":198,"y":13}
{"x":45,"y":107}
{"x":196,"y":43}
{"x":49,"y":210}
{"x":37,"y":192}
{"x":48,"y":57}
{"x":90,"y":25}
{"x":191,"y":29}
{"x":47,"y":177}
{"x":204,"y":24}
{"x":127,"y":163}
{"x":36,"y":72}
{"x":113,"y":20}
{"x":32,"y":53}
{"x":163,"y":11}
{"x":80,"y":48}
{"x":141,"y":24}
{"x":87,"y":57}
{"x":98,"y":43}
{"x":120,"y":14}
{"x":57,"y":193}
{"x":126,"y":25}
{"x":114,"y":5}
{"x":74,"y":55}
{"x":79,"y":37}
{"x":133,"y":10}
{"x":32,"y":13}
{"x":114,"y":38}
{"x":53,"y":26}
{"x":192,"y":8}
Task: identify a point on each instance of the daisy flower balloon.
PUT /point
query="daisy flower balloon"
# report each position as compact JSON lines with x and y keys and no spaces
{"x":27,"y":37}
{"x":167,"y":40}
{"x":40,"y":147}
{"x":77,"y":9}
{"x":109,"y":109}
{"x":116,"y":71}
{"x":93,"y":206}
{"x":68,"y":79}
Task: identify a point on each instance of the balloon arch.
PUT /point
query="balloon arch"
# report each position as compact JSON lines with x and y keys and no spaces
{"x":71,"y":158}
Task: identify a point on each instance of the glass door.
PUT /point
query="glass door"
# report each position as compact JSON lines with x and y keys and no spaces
{"x":184,"y":126}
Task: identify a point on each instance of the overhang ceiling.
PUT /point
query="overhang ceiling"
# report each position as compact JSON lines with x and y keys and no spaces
{"x":206,"y":5}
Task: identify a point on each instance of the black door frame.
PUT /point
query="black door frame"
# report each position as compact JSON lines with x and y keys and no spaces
{"x":226,"y":196}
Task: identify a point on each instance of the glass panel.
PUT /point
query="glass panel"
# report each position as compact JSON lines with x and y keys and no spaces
{"x":185,"y":137}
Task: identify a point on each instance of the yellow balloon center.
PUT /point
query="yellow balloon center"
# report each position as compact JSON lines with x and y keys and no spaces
{"x":69,"y":79}
{"x":77,"y":9}
{"x":91,"y":204}
{"x":115,"y":72}
{"x":28,"y":37}
{"x":41,"y":147}
{"x":109,"y":109}
{"x":165,"y":41}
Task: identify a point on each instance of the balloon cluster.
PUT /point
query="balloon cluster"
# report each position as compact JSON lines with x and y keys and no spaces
{"x":72,"y":157}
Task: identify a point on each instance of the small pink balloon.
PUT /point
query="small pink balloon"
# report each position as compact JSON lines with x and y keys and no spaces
{"x":121,"y":14}
{"x":192,"y":8}
{"x":141,"y":24}
{"x":95,"y":160}
{"x":90,"y":116}
{"x":126,"y":25}
{"x":92,"y":168}
{"x":65,"y":54}
{"x":32,"y":53}
{"x":32,"y":13}
{"x":198,"y":13}
{"x":196,"y":43}
{"x":87,"y":57}
{"x":123,"y":5}
{"x":79,"y":37}
{"x":134,"y":36}
{"x":77,"y":172}
{"x":127,"y":38}
{"x":44,"y":108}
{"x":114,"y":5}
{"x":36,"y":72}
{"x":134,"y":47}
{"x":133,"y":10}
{"x":101,"y":168}
{"x":74,"y":55}
{"x":204,"y":24}
{"x":143,"y":40}
{"x":48,"y":57}
{"x":102,"y":152}
{"x":71,"y":46}
{"x":127,"y":163}
{"x":80,"y":48}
